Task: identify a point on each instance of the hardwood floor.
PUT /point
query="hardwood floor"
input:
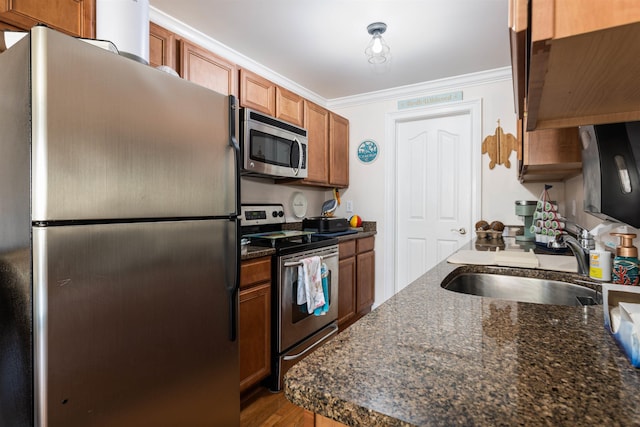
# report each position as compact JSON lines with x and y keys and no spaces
{"x":266,"y":409}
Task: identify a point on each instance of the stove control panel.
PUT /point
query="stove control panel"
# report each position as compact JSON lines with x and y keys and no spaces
{"x":262,"y":214}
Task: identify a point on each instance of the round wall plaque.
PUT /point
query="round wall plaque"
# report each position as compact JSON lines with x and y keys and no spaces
{"x":367,"y":151}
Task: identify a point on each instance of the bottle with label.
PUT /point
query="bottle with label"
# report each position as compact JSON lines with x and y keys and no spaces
{"x":600,"y":263}
{"x":625,"y":264}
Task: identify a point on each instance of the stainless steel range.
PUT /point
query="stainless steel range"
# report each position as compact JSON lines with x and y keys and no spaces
{"x":295,"y":331}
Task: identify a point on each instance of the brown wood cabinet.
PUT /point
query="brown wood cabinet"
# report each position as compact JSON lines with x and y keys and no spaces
{"x":162,"y":46}
{"x":550,"y":155}
{"x":254,"y":320}
{"x":347,"y":283}
{"x":257,"y":93}
{"x":328,"y":147}
{"x":356,"y":280}
{"x":289,"y":106}
{"x":316,"y":122}
{"x":205,"y":68}
{"x":262,"y":95}
{"x":365,"y":274}
{"x":74,"y":17}
{"x":579,"y":61}
{"x":338,"y":151}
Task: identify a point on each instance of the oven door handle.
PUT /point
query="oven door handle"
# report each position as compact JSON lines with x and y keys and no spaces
{"x":334,"y":328}
{"x":296,"y":263}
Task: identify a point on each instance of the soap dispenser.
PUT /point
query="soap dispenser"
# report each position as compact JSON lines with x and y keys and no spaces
{"x":625,"y":264}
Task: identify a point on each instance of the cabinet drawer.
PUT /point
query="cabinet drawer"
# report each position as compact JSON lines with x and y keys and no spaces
{"x":347,"y":249}
{"x":255,"y":271}
{"x":365,"y":244}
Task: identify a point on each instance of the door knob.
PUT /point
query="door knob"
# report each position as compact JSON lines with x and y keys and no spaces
{"x":460,"y":230}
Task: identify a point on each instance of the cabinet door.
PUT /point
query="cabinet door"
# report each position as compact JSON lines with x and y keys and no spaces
{"x":206,"y":69}
{"x":162,"y":49}
{"x":254,"y":334}
{"x":347,"y":290}
{"x":74,"y":17}
{"x":316,"y":121}
{"x":338,"y":151}
{"x":365,"y":281}
{"x":289,"y":106}
{"x":257,"y":93}
{"x":551,"y":155}
{"x":255,"y":271}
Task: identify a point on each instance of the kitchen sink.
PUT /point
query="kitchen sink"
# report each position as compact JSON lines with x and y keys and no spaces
{"x":522,"y":289}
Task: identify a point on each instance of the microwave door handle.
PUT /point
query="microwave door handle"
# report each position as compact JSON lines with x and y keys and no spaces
{"x":300,"y":157}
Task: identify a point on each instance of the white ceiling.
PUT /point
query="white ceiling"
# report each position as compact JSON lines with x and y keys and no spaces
{"x":319,"y":44}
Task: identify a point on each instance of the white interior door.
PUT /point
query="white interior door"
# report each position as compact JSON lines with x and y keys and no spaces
{"x":435,"y":190}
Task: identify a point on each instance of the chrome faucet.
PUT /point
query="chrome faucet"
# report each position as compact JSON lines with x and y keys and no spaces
{"x":579,"y":247}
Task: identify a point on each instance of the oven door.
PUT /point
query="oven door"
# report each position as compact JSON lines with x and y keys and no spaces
{"x":294,"y":324}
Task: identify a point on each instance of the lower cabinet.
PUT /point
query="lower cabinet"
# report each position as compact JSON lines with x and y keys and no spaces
{"x":347,"y":283}
{"x":365,"y":274}
{"x":254,"y":321}
{"x":357,"y":279}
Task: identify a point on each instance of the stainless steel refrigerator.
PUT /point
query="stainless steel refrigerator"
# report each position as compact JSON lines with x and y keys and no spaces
{"x":118,"y":242}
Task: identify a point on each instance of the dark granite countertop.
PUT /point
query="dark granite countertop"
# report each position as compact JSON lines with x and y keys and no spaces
{"x":429,"y":356}
{"x":259,"y":251}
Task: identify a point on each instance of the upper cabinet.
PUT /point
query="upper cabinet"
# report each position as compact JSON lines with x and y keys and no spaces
{"x":206,"y":69}
{"x":316,"y":122}
{"x":260,"y":94}
{"x":578,"y":62}
{"x":162,"y":46}
{"x":289,"y":106}
{"x":338,"y":151}
{"x":328,"y":147}
{"x":191,"y":61}
{"x":550,"y":155}
{"x":257,"y":93}
{"x":74,"y":17}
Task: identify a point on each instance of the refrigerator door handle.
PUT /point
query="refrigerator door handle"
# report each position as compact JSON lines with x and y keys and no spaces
{"x":233,"y":109}
{"x":234,"y":287}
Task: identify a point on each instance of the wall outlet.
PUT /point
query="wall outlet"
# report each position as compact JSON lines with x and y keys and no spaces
{"x":349,"y":206}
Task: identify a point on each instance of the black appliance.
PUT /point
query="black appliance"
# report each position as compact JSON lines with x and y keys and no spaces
{"x":322,"y":224}
{"x":611,"y":171}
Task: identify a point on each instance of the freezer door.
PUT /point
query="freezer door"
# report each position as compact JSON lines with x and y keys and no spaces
{"x":113,"y":138}
{"x":132,"y":325}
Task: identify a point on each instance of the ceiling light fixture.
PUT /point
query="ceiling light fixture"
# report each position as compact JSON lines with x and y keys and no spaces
{"x":377,"y":50}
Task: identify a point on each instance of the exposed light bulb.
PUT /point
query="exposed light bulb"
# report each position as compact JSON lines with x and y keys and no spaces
{"x":377,"y":45}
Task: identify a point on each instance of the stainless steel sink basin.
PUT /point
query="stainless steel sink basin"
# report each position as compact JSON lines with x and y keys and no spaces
{"x":522,"y":289}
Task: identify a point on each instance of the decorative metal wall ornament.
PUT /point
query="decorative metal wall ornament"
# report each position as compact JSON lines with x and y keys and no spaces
{"x":367,"y":151}
{"x":499,"y":146}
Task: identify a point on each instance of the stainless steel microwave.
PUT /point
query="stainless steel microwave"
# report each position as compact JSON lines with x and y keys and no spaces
{"x":272,"y":147}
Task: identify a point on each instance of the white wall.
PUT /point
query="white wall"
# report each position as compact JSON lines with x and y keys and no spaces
{"x":262,"y":190}
{"x":500,"y":186}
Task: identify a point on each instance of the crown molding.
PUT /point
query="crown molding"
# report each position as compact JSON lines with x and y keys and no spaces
{"x":433,"y":86}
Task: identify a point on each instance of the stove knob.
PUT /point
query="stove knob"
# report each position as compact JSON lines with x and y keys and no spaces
{"x":274,"y":214}
{"x":281,"y":214}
